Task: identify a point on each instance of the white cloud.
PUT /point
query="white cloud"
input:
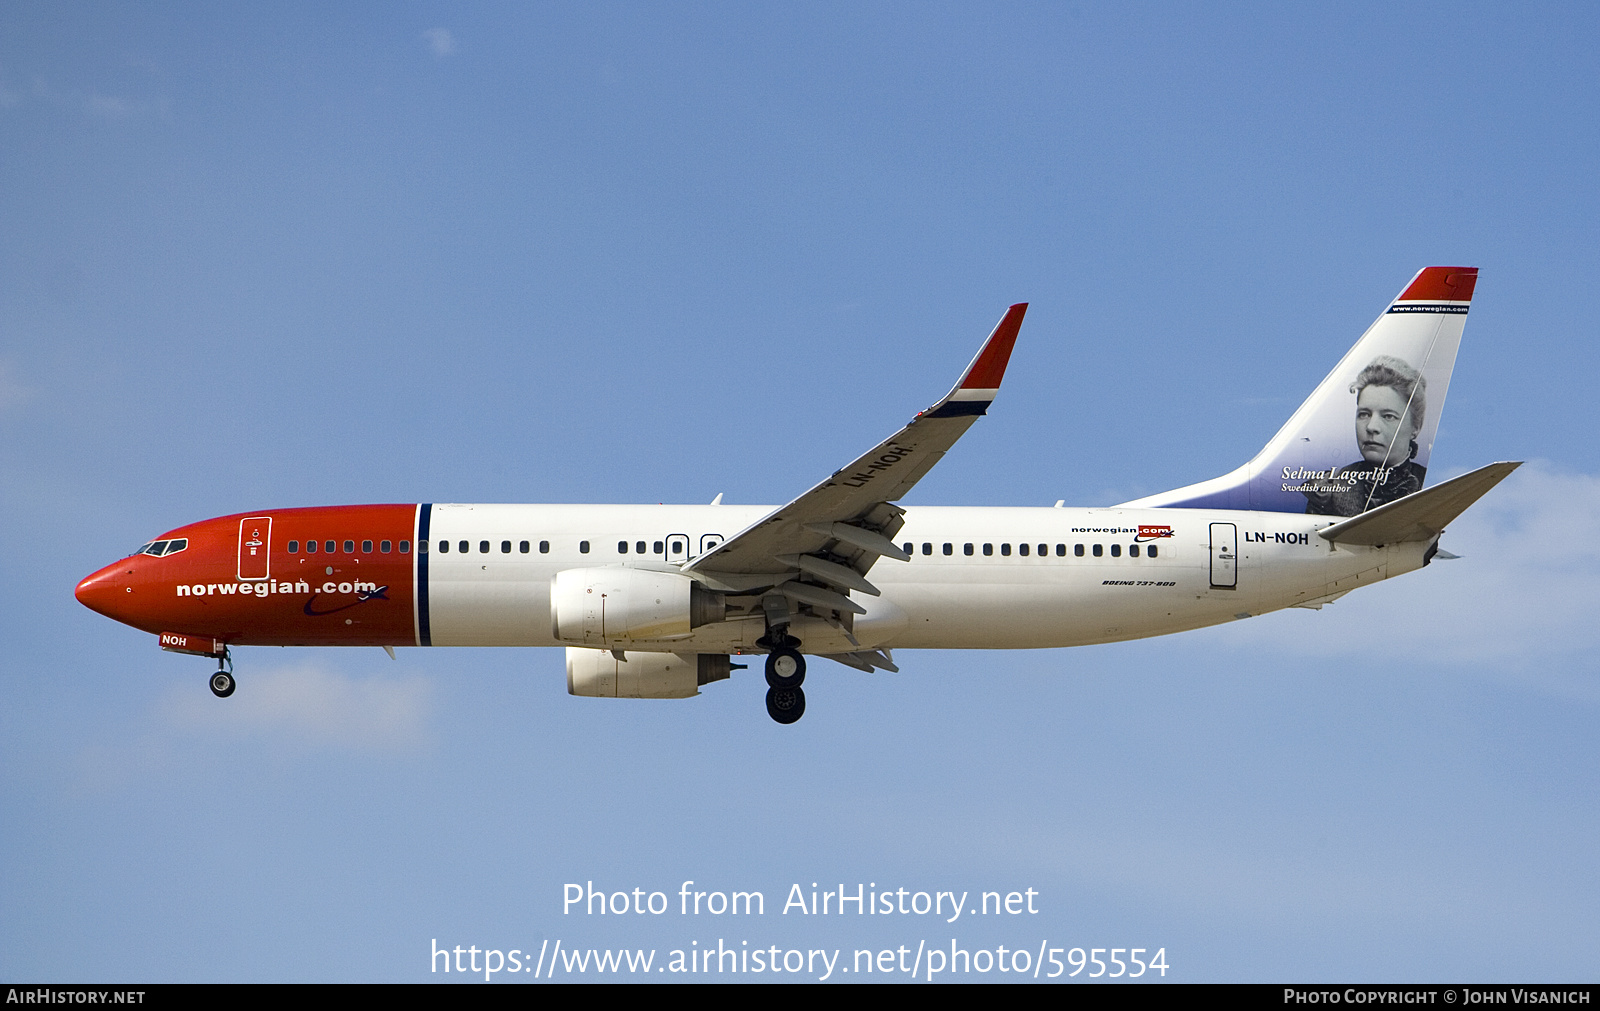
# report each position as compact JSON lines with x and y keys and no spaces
{"x":440,"y":41}
{"x":285,"y":712}
{"x":310,"y":704}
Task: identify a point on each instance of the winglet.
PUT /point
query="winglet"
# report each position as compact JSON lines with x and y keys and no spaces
{"x":979,"y":384}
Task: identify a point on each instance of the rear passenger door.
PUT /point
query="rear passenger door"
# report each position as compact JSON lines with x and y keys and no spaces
{"x":1224,"y":556}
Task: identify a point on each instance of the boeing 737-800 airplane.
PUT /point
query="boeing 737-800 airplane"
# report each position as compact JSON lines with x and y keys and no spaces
{"x":656,"y":601}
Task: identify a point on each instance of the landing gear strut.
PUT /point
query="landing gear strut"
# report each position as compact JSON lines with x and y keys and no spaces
{"x":222,"y":683}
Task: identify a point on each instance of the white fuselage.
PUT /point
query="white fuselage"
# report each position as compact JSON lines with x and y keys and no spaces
{"x":944,"y":598}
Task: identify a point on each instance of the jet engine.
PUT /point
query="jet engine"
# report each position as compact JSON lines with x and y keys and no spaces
{"x":597,"y":673}
{"x":616,"y":605}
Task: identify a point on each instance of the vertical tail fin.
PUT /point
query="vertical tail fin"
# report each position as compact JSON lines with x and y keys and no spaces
{"x":1391,"y":386}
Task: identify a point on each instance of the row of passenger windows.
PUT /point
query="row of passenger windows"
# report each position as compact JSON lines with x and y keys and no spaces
{"x":679,"y":546}
{"x":443,"y":547}
{"x":658,"y":547}
{"x":485,"y":547}
{"x":1079,"y":550}
{"x":330,"y":547}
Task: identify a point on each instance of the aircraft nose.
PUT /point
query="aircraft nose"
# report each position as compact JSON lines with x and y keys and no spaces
{"x":108,"y":591}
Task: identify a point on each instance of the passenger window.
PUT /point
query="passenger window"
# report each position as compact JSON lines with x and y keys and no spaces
{"x":327,"y":546}
{"x":622,"y":547}
{"x":638,"y":547}
{"x":463,"y":546}
{"x":505,"y":547}
{"x":405,"y":547}
{"x":422,"y":547}
{"x":1133,"y":551}
{"x":1005,"y":549}
{"x":908,"y":547}
{"x":1044,"y":549}
{"x":1077,"y":549}
{"x":1116,"y":551}
{"x":544,"y":547}
{"x":349,"y":547}
{"x":483,"y":547}
{"x":1022,"y":549}
{"x":444,"y":547}
{"x":949,"y":548}
{"x":522,"y":546}
{"x":583,"y":547}
{"x":294,"y":547}
{"x":927,"y":547}
{"x":659,"y":547}
{"x":386,"y":546}
{"x":1151,"y":551}
{"x":966,"y":549}
{"x":988,"y":549}
{"x":1061,"y":551}
{"x":1099,"y":550}
{"x":366,"y":547}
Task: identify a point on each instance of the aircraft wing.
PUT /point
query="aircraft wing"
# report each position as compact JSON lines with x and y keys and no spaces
{"x":826,"y":540}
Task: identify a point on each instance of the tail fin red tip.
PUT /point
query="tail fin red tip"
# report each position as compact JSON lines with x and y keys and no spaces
{"x":1441,"y":284}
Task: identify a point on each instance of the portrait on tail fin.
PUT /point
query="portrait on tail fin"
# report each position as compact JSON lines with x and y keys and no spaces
{"x":1398,"y":374}
{"x":1391,"y":403}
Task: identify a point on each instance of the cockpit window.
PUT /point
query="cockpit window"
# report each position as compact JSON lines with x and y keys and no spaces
{"x":159,"y":548}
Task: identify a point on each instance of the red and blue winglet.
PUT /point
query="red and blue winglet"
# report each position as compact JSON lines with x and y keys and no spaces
{"x":979,"y":384}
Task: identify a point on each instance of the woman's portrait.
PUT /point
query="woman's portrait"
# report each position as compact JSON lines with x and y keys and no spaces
{"x":1391,"y":401}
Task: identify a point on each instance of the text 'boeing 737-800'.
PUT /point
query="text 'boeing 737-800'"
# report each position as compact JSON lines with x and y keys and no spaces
{"x":657,"y":601}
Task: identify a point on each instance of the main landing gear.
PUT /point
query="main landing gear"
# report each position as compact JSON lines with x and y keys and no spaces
{"x":222,"y":683}
{"x":786,"y":672}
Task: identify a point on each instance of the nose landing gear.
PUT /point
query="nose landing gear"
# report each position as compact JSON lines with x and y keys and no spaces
{"x":222,"y":682}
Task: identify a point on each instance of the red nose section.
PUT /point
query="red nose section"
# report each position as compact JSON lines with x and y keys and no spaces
{"x":110,"y":591}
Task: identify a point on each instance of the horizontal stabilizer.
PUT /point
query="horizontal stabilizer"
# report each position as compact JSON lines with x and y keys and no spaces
{"x":1420,"y":515}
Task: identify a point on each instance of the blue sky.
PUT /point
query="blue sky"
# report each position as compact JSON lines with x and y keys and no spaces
{"x":637,"y":253}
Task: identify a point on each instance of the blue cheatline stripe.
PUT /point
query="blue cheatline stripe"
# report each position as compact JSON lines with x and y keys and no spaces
{"x":960,"y":409}
{"x":1415,"y":307}
{"x":424,"y":517}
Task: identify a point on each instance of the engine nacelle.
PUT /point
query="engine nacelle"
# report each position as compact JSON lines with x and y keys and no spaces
{"x":615,"y":605}
{"x":596,"y":673}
